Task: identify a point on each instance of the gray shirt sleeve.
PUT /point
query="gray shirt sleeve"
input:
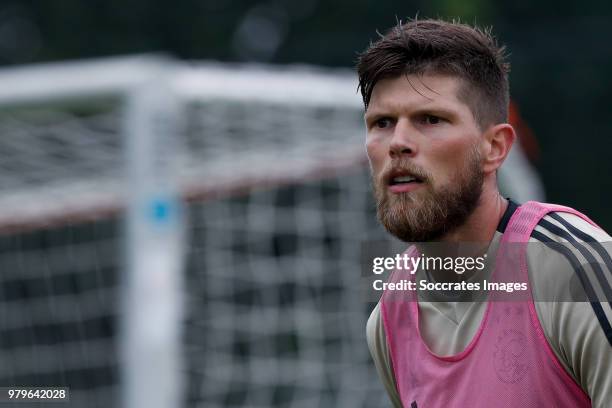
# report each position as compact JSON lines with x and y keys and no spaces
{"x":572,"y":328}
{"x":377,"y":343}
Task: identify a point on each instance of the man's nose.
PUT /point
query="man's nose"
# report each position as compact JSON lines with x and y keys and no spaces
{"x":403,"y":141}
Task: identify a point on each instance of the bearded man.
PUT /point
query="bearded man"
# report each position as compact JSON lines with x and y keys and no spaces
{"x":436,"y":106}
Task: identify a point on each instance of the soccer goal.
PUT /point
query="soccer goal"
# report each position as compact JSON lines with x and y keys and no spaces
{"x":179,"y":235}
{"x":185,"y":235}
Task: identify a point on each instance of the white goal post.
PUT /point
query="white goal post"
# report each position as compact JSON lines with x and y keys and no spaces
{"x":185,"y":234}
{"x":37,"y":193}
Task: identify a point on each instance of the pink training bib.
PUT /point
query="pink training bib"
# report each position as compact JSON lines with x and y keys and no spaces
{"x":508,"y":363}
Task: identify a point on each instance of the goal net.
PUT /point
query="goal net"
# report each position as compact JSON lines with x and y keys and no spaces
{"x":185,"y":235}
{"x":269,"y":167}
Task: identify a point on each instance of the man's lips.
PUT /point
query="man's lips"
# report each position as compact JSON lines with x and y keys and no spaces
{"x":401,"y":181}
{"x":405,"y":187}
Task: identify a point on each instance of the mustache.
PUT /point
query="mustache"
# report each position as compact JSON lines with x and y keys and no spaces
{"x":403,"y":167}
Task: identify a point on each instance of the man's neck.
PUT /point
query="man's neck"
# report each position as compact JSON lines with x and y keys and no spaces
{"x":482,"y":223}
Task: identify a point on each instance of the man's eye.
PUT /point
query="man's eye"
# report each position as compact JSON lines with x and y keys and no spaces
{"x":382,"y":123}
{"x":431,"y":120}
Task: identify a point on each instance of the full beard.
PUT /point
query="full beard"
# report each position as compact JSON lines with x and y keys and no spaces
{"x":427,"y":214}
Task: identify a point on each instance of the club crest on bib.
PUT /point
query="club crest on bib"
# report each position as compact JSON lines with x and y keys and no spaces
{"x":509,"y":357}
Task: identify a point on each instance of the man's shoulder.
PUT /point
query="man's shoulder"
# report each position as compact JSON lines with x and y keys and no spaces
{"x":562,"y":242}
{"x":374,"y":322}
{"x":561,"y":226}
{"x":564,"y":246}
{"x":570,"y":262}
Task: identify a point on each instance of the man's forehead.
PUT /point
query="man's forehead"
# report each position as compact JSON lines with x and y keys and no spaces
{"x":423,"y":90}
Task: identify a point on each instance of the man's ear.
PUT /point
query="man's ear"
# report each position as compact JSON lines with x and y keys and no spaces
{"x":498,"y":141}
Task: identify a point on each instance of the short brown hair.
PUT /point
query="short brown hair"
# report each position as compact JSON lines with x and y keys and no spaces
{"x":441,"y":47}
